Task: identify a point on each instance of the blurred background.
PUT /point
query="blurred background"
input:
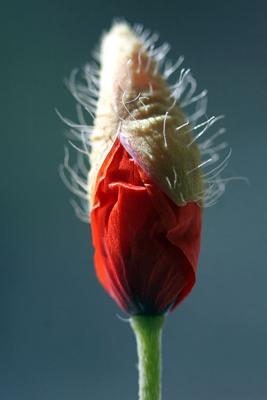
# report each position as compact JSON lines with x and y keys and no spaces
{"x":60,"y":337}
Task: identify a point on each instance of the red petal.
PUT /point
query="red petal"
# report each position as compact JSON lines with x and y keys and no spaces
{"x":146,"y":247}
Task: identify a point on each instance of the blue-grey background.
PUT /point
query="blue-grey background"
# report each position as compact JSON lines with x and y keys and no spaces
{"x":60,"y":337}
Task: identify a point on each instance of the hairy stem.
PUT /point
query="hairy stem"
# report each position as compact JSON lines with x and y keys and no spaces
{"x":147,"y":331}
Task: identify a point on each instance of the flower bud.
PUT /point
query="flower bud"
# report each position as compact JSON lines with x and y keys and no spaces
{"x":146,"y":186}
{"x":145,"y":215}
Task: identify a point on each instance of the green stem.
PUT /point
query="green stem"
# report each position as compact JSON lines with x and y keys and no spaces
{"x":147,"y":331}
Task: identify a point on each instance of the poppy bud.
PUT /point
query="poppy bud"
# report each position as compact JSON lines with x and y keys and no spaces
{"x":146,"y":186}
{"x":145,"y":212}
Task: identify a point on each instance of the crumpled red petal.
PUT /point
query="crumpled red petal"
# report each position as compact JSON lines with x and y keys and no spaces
{"x":146,"y":247}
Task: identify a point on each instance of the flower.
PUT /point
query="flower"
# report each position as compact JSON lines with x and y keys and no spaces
{"x":146,"y":186}
{"x":145,"y":215}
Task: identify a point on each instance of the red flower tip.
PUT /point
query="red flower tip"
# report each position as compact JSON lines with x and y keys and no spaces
{"x":146,"y":247}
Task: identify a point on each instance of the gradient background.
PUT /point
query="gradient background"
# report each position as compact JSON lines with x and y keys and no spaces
{"x":60,"y":337}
